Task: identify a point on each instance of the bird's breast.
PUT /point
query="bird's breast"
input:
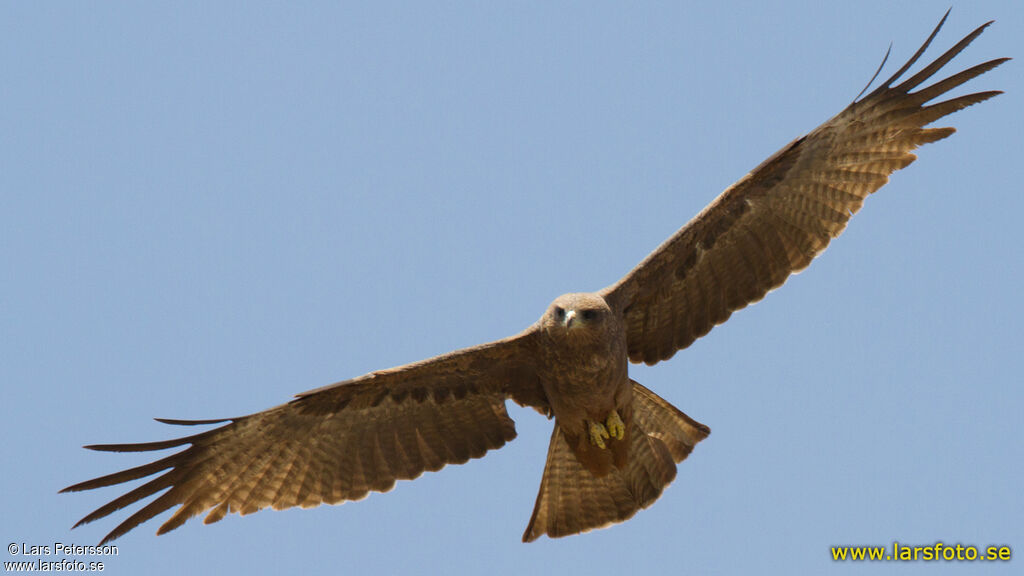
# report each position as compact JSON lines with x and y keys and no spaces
{"x":584,"y":385}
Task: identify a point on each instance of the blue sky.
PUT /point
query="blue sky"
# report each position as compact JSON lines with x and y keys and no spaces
{"x":206,"y":208}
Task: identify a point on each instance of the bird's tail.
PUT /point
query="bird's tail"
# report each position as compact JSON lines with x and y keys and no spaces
{"x":573,"y":500}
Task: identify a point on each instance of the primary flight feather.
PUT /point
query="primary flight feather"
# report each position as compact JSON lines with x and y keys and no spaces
{"x":615,"y":444}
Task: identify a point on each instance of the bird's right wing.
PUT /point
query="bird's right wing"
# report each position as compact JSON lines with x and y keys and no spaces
{"x":335,"y":443}
{"x":776,"y":219}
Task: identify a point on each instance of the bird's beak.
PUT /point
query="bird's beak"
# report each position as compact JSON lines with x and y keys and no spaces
{"x":569,"y":315}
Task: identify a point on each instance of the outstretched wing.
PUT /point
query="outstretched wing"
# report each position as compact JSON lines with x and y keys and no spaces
{"x":776,"y":219}
{"x":336,"y":443}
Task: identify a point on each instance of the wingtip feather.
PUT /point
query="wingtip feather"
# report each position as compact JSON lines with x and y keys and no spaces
{"x":178,"y":422}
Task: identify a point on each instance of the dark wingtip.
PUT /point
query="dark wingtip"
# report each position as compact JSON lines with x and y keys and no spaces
{"x":81,"y":486}
{"x":176,"y":422}
{"x":100,"y":447}
{"x":139,"y":447}
{"x":877,"y":72}
{"x":162,"y":444}
{"x":110,"y":537}
{"x":917,"y":55}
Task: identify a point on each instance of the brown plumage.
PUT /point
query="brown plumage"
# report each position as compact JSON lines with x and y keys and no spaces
{"x":615,"y":444}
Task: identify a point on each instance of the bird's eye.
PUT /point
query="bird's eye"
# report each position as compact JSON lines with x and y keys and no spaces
{"x":589,"y":314}
{"x":559,"y":312}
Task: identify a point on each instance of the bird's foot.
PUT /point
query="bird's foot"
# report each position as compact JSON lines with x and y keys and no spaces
{"x":615,"y":426}
{"x":598,"y":433}
{"x":612,"y":428}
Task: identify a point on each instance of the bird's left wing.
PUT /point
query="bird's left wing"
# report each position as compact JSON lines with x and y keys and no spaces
{"x":335,"y":443}
{"x":776,"y":219}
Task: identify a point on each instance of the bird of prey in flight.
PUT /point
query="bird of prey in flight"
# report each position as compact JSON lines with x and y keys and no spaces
{"x":615,"y":444}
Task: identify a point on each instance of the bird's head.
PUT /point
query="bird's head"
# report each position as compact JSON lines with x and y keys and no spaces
{"x":578,"y":315}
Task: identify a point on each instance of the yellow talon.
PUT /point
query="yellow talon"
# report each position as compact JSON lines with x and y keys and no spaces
{"x":615,"y":426}
{"x":597,"y":434}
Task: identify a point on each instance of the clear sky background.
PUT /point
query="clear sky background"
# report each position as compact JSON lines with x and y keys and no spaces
{"x":207,"y":207}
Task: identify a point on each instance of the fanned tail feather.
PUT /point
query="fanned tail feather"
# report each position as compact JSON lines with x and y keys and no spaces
{"x":573,"y":500}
